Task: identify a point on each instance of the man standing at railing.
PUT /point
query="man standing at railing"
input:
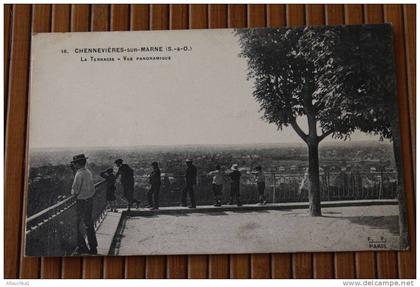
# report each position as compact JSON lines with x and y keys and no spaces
{"x":155,"y":182}
{"x":84,"y":190}
{"x":127,"y":181}
{"x":190,"y":181}
{"x":235,"y":176}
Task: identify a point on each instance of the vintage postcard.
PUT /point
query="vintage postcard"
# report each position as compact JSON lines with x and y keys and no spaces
{"x":214,"y":142}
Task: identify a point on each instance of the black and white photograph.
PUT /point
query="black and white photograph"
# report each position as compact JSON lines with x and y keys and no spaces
{"x":221,"y":141}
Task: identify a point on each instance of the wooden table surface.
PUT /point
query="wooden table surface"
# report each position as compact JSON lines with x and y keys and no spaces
{"x":22,"y":20}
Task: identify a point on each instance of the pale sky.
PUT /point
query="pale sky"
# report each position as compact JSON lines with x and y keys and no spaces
{"x":199,"y":97}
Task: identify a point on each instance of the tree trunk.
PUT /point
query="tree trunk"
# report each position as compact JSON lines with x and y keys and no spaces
{"x":402,"y":205}
{"x":314,"y":186}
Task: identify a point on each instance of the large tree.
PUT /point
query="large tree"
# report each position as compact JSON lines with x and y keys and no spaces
{"x":314,"y":72}
{"x":368,"y":80}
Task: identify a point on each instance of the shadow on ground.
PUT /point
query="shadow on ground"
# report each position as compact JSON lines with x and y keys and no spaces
{"x":374,"y":222}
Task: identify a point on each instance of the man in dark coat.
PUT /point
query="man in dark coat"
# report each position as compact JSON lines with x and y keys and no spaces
{"x":190,"y":181}
{"x":153,"y":193}
{"x":235,"y":176}
{"x":110,"y":180}
{"x":127,"y":181}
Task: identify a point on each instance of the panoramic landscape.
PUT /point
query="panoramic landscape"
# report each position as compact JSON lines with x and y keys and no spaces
{"x":361,"y":169}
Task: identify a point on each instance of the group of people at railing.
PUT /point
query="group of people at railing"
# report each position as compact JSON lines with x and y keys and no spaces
{"x":84,"y":190}
{"x":219,"y":178}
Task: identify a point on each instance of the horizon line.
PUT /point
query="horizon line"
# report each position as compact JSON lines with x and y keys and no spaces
{"x":203,"y":144}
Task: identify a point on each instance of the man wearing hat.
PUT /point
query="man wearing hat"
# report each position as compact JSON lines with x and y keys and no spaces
{"x":153,"y":193}
{"x":190,"y":181}
{"x":127,"y":181}
{"x":84,"y":190}
{"x":235,"y":176}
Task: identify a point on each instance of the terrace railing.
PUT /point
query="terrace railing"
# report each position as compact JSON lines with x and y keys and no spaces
{"x":53,"y":231}
{"x":281,"y":187}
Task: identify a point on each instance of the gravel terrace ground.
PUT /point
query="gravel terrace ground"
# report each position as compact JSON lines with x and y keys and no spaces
{"x":339,"y":229}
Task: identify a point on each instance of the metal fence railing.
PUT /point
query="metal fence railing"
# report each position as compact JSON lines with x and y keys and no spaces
{"x":53,"y":231}
{"x":282,"y":187}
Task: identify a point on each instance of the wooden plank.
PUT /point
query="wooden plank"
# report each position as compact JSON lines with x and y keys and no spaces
{"x":260,"y":266}
{"x":257,"y":15}
{"x":176,"y":267}
{"x":237,"y":16}
{"x":198,"y":267}
{"x":99,"y":19}
{"x":80,"y":14}
{"x":409,"y":16}
{"x":51,"y":268}
{"x":301,"y":262}
{"x":155,"y":267}
{"x":343,"y":261}
{"x":159,"y":17}
{"x":217,"y":16}
{"x":120,"y":17}
{"x":344,"y":265}
{"x":198,"y":14}
{"x":295,"y":15}
{"x":353,"y":14}
{"x":373,"y":14}
{"x":135,"y":267}
{"x":218,"y":266}
{"x":365,"y":263}
{"x":139,"y":17}
{"x":407,"y":260}
{"x":114,"y":267}
{"x":30,"y":267}
{"x":240,"y":266}
{"x":315,"y":14}
{"x":8,"y":16}
{"x":60,"y":15}
{"x":41,"y":22}
{"x":179,"y":16}
{"x":334,"y":14}
{"x":389,"y":269}
{"x":281,"y":264}
{"x":60,"y":22}
{"x":302,"y":265}
{"x":15,"y":138}
{"x":276,"y":15}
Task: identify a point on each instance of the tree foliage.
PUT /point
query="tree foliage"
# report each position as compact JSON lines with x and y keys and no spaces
{"x":346,"y":72}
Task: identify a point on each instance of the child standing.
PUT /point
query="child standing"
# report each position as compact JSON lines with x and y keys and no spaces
{"x":217,"y":184}
{"x":260,"y":179}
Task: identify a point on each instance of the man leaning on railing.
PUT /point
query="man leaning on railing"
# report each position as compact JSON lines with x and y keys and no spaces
{"x":84,"y":190}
